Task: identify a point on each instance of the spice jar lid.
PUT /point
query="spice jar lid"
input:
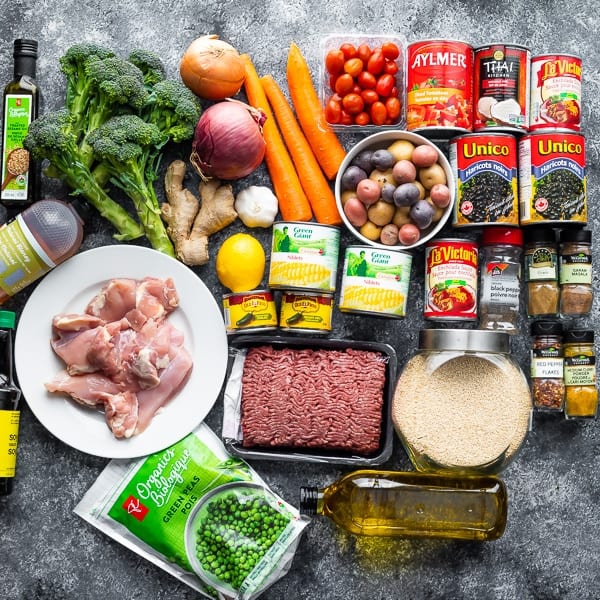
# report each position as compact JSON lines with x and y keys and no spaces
{"x":472,"y":340}
{"x":576,"y":235}
{"x":540,"y":234}
{"x":546,"y":328}
{"x":502,"y":235}
{"x":579,"y":336}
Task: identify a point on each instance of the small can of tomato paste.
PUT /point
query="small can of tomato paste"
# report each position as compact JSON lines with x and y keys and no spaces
{"x":501,"y":87}
{"x":305,"y":312}
{"x":304,"y":256}
{"x":439,"y":87}
{"x":375,"y":281}
{"x":555,"y":92}
{"x":552,"y":179}
{"x":249,"y":311}
{"x":451,"y":266}
{"x":486,"y":172}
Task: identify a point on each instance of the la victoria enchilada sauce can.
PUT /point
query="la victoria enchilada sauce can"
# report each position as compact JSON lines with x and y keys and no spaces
{"x":439,"y":87}
{"x":451,"y":272}
{"x":552,"y":179}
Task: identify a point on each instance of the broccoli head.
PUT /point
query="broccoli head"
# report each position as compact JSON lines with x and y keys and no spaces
{"x":149,"y":63}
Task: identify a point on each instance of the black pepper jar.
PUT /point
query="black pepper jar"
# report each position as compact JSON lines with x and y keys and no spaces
{"x":547,"y":379}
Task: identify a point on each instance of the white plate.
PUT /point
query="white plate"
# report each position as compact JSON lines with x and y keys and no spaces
{"x":68,"y":288}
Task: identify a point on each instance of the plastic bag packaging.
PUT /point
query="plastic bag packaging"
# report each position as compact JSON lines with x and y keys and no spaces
{"x":200,"y":514}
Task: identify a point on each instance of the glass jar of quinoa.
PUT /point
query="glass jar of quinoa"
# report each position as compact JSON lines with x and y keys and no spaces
{"x":462,"y":404}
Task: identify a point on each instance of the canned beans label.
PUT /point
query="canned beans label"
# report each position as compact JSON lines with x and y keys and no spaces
{"x":501,"y":87}
{"x":486,"y":179}
{"x":375,"y":281}
{"x":552,"y":179}
{"x":304,"y":256}
{"x":306,"y":312}
{"x":555,"y":92}
{"x":439,"y":85}
{"x":451,"y":280}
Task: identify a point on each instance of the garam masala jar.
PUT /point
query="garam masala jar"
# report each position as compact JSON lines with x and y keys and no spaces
{"x":462,"y":404}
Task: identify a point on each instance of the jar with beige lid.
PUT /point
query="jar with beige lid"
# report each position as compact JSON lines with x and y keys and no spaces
{"x":462,"y":404}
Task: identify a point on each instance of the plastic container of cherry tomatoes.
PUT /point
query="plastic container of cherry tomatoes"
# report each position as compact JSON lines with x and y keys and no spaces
{"x":362,"y":84}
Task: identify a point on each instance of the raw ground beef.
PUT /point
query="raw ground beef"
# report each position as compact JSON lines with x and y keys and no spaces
{"x":304,"y":398}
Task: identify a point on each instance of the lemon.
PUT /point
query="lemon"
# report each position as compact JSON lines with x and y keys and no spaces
{"x":240,"y":262}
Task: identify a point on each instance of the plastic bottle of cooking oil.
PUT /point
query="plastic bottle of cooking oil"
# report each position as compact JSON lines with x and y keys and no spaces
{"x":39,"y":238}
{"x":395,"y":503}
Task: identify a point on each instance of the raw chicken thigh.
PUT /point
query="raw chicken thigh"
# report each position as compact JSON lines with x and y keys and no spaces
{"x":122,"y":355}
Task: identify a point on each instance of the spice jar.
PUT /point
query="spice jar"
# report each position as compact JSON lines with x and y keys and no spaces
{"x":500,"y":275}
{"x":575,"y":272}
{"x":462,"y":404}
{"x":581,"y":393}
{"x":541,"y":271}
{"x":547,"y":382}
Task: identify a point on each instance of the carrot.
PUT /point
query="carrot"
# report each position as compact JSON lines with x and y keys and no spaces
{"x":315,"y":184}
{"x":293,"y":203}
{"x":321,"y":137}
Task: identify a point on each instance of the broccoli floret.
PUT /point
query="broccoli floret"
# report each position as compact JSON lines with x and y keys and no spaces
{"x":174,"y":109}
{"x":150,"y":64}
{"x":129,"y":149}
{"x":51,"y":137}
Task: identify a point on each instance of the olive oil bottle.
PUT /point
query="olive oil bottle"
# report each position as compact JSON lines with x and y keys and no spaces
{"x":20,"y":107}
{"x":412,"y":504}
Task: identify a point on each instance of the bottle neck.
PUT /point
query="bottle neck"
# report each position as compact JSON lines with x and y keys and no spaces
{"x":25,"y":65}
{"x":311,"y":500}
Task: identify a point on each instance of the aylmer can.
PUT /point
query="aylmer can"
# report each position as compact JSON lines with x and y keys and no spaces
{"x":555,"y":92}
{"x":485,"y":166}
{"x":375,"y":281}
{"x":451,"y":271}
{"x":552,"y":179}
{"x":304,"y":256}
{"x":439,"y":88}
{"x":245,"y":312}
{"x":305,"y":312}
{"x":501,"y":87}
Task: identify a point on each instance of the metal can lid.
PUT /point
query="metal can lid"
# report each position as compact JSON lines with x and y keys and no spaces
{"x":471,"y":340}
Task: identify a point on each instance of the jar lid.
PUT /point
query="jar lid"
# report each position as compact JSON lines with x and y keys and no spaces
{"x":502,"y":235}
{"x":546,"y":328}
{"x":581,"y":336}
{"x":473,"y":340}
{"x":540,"y":234}
{"x":576,"y":235}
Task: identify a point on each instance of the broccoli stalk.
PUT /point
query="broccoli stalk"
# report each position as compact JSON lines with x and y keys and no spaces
{"x":52,"y":137}
{"x":129,"y":149}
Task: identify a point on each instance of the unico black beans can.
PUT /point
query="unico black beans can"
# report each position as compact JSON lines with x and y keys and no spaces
{"x":485,"y":169}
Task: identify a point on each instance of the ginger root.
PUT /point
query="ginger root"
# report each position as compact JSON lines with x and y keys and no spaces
{"x":190,"y":221}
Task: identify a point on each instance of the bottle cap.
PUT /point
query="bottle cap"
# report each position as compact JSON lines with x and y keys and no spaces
{"x":472,"y":340}
{"x":581,"y":336}
{"x":308,"y":500}
{"x":7,"y":319}
{"x":546,"y":328}
{"x":502,"y":235}
{"x":540,"y":234}
{"x":24,"y":47}
{"x":576,"y":235}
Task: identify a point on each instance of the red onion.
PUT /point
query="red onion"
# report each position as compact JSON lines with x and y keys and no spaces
{"x":228,"y":142}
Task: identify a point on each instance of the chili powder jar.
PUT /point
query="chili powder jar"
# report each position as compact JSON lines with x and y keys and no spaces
{"x":575,"y":272}
{"x":541,"y":272}
{"x":547,"y":380}
{"x":581,"y":392}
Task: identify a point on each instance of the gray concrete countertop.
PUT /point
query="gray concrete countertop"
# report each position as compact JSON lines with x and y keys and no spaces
{"x":550,"y":548}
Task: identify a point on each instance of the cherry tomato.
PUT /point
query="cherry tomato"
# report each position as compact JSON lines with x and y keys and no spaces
{"x":349,"y":50}
{"x":356,"y":89}
{"x":364,"y":52}
{"x":390,"y":50}
{"x":344,"y":84}
{"x":362,"y":118}
{"x":353,"y":66}
{"x":378,"y":113}
{"x":353,"y":103}
{"x":369,"y":96}
{"x":334,"y":62}
{"x":366,"y":80}
{"x":333,"y":111}
{"x":395,"y":92}
{"x":376,"y":62}
{"x":332,"y":80}
{"x":393,"y":107}
{"x":390,"y":67}
{"x":385,"y":84}
{"x":346,"y":119}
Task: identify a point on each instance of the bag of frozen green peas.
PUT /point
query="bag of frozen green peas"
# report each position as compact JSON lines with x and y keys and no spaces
{"x":200,"y":514}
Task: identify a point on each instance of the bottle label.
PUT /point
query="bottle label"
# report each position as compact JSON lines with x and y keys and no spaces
{"x":9,"y":438}
{"x":500,"y":285}
{"x":580,"y":370}
{"x":22,"y":259}
{"x":546,"y":367}
{"x":541,"y":265}
{"x":15,"y":159}
{"x":576,"y":268}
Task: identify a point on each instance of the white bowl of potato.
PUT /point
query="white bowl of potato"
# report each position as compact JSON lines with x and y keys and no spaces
{"x":395,"y":189}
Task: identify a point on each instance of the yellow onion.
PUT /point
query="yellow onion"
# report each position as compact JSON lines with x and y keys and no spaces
{"x":212,"y":68}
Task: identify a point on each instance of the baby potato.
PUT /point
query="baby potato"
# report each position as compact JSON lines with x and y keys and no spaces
{"x":404,"y":171}
{"x":438,"y":210}
{"x":429,"y":176}
{"x":401,"y":149}
{"x":368,"y":191}
{"x":356,"y":212}
{"x":381,"y":212}
{"x":345,"y":196}
{"x":370,"y":231}
{"x":401,"y":216}
{"x":409,"y":234}
{"x":389,"y":235}
{"x":440,"y":195}
{"x":382,"y":177}
{"x":424,"y":155}
{"x":422,"y":190}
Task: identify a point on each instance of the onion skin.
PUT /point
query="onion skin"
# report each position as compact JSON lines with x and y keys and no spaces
{"x":228,"y":141}
{"x":212,"y":68}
